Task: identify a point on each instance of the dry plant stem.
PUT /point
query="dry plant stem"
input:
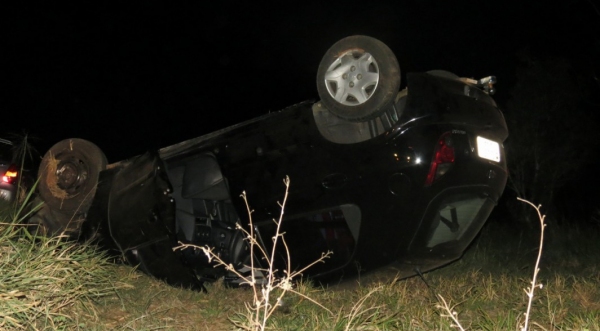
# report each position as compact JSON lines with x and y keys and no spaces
{"x":451,"y":313}
{"x":252,"y":243}
{"x":267,"y":311}
{"x":530,"y":290}
{"x":262,"y":307}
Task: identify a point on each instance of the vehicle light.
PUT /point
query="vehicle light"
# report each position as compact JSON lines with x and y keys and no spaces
{"x":443,"y":158}
{"x":10,"y":176}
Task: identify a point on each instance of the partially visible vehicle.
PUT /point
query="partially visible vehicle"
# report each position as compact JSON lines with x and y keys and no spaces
{"x":9,"y":171}
{"x":378,"y":176}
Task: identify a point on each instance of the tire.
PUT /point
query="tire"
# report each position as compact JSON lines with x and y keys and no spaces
{"x":69,"y":175}
{"x":47,"y":222}
{"x":358,"y":78}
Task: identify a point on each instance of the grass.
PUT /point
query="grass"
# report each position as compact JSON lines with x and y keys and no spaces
{"x":51,"y":284}
{"x":43,"y":279}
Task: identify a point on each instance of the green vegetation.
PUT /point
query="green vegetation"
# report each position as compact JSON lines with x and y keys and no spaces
{"x":53,"y":284}
{"x":48,"y":283}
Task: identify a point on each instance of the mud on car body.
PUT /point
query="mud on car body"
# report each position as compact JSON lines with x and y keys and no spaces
{"x":378,"y":175}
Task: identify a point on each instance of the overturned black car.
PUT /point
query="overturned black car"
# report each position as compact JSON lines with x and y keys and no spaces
{"x":377,"y":175}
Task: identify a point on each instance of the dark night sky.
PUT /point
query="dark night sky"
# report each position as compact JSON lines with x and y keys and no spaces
{"x":147,"y":76}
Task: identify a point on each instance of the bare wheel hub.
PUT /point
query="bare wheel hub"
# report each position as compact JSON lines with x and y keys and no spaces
{"x":71,"y":174}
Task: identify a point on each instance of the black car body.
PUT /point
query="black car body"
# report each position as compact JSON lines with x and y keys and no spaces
{"x":412,"y":185}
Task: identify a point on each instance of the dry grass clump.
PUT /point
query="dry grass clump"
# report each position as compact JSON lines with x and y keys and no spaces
{"x":41,"y":279}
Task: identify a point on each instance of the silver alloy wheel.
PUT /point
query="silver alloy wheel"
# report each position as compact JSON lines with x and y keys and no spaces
{"x":352,"y":78}
{"x":358,"y":78}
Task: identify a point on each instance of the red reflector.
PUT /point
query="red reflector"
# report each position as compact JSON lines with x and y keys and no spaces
{"x":443,"y":157}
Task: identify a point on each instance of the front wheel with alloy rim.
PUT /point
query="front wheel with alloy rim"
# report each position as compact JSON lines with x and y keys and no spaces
{"x":358,"y":78}
{"x":69,"y":174}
